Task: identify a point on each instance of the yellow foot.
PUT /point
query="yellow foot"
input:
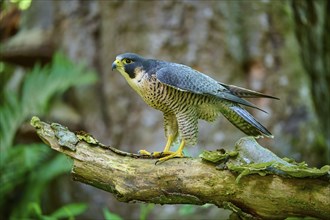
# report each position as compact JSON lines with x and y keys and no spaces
{"x":144,"y":153}
{"x":162,"y":154}
{"x":170,"y":155}
{"x":155,"y":154}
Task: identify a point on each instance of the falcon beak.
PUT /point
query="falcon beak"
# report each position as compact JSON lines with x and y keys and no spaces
{"x":115,"y":64}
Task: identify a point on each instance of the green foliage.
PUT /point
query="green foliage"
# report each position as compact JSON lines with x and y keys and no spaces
{"x":69,"y":211}
{"x":65,"y":212}
{"x":109,"y":215}
{"x":14,"y":170}
{"x":30,"y":167}
{"x":37,"y":181}
{"x":39,"y":86}
{"x":20,"y":4}
{"x":145,"y":210}
{"x":187,"y":210}
{"x":301,"y":218}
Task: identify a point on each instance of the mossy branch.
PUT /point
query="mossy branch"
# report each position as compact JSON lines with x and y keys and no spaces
{"x":281,"y":190}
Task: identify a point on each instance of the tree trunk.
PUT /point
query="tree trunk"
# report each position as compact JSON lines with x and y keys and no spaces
{"x":312,"y":26}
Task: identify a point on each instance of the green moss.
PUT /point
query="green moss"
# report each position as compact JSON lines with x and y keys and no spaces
{"x":83,"y":136}
{"x":301,"y":172}
{"x":35,"y":122}
{"x":217,"y":156}
{"x":251,"y":158}
{"x":177,"y":198}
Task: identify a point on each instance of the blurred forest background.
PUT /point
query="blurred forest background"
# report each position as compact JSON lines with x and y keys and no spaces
{"x":55,"y":62}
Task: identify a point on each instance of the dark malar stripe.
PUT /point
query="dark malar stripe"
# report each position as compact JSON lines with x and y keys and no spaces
{"x":130,"y":68}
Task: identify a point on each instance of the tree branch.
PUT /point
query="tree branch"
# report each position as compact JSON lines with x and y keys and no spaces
{"x":131,"y":177}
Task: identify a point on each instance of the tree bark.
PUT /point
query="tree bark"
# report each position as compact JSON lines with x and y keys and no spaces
{"x":136,"y":178}
{"x":312,"y":28}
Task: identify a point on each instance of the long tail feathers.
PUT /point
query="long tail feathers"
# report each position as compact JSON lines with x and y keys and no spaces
{"x":244,"y":121}
{"x":246,"y":93}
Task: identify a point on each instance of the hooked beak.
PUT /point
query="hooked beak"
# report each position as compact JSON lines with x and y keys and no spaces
{"x":114,"y":64}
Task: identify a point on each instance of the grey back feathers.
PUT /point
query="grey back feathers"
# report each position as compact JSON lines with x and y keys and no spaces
{"x":187,"y":79}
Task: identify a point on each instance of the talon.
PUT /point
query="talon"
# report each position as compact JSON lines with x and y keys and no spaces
{"x":171,"y":155}
{"x":144,"y":153}
{"x":166,"y":154}
{"x":157,"y":154}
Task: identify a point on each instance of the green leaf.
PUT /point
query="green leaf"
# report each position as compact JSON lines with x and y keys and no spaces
{"x":22,"y":4}
{"x":38,"y":180}
{"x":110,"y":216}
{"x":35,"y":209}
{"x":14,"y":171}
{"x":39,"y":86}
{"x":145,"y":209}
{"x":69,"y":211}
{"x":187,"y":209}
{"x":32,"y":167}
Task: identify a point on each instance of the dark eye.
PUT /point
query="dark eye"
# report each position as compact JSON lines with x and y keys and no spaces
{"x":128,"y":61}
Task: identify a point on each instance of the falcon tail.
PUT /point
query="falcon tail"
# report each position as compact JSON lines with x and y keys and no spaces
{"x":246,"y":93}
{"x":244,"y":121}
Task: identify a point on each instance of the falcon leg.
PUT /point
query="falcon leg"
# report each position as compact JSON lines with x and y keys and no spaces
{"x":166,"y":150}
{"x":169,"y":142}
{"x":171,"y":132}
{"x":171,"y":155}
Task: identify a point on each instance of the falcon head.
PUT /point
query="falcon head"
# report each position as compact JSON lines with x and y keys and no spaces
{"x":128,"y":64}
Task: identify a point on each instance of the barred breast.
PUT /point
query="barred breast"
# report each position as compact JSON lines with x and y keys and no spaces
{"x":169,"y":99}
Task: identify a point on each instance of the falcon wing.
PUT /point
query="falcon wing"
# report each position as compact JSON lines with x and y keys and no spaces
{"x":184,"y":78}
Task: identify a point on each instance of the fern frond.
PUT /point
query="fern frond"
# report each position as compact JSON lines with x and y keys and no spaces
{"x":32,"y":164}
{"x":39,"y":86}
{"x":36,"y":183}
{"x":20,"y":160}
{"x":10,"y":119}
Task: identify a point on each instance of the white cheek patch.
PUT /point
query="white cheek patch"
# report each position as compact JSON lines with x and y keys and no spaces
{"x":136,"y":82}
{"x":139,"y":74}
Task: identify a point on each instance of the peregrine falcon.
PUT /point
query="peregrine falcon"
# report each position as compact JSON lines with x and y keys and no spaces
{"x":185,"y":95}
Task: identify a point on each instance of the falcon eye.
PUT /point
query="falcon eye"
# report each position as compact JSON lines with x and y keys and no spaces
{"x":127,"y":61}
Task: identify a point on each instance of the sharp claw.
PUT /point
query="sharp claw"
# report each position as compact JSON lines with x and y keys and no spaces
{"x":163,"y":156}
{"x":170,"y":156}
